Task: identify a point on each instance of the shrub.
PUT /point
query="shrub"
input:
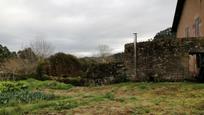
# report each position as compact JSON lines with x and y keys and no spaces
{"x":63,"y":65}
{"x":5,"y":53}
{"x":40,"y":71}
{"x":28,"y":54}
{"x":19,"y":66}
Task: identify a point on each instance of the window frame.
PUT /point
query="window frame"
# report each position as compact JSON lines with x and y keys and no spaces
{"x":197,"y":26}
{"x":187,"y":32}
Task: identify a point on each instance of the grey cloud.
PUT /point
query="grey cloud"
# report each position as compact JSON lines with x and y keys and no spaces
{"x":79,"y":26}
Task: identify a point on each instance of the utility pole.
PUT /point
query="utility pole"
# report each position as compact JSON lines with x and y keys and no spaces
{"x":135,"y":53}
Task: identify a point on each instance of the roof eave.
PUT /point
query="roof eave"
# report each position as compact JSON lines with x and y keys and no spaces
{"x":178,"y":13}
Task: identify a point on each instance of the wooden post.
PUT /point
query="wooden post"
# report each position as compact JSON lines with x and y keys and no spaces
{"x":135,"y":53}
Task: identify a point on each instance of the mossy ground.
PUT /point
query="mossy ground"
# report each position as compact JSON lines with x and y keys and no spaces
{"x":120,"y":99}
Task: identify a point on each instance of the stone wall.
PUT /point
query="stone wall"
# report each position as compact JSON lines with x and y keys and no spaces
{"x":161,"y":59}
{"x":105,"y":73}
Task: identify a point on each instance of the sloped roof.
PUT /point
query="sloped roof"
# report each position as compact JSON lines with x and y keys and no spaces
{"x":178,"y":13}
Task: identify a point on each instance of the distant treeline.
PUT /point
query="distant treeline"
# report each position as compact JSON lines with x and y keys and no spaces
{"x":61,"y":67}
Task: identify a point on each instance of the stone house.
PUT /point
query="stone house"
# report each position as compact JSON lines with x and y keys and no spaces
{"x":169,"y":59}
{"x":189,"y":19}
{"x":188,"y":23}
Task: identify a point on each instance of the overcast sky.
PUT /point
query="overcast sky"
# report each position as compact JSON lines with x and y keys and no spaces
{"x":79,"y":26}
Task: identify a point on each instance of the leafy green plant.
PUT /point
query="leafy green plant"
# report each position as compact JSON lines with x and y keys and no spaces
{"x":23,"y":96}
{"x":12,"y":93}
{"x":12,"y":86}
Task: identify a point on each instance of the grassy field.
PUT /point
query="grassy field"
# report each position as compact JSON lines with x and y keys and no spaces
{"x":50,"y":97}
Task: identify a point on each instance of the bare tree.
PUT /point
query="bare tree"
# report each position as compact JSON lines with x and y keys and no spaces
{"x":19,"y":66}
{"x":42,"y":48}
{"x":104,"y":52}
{"x":27,"y":54}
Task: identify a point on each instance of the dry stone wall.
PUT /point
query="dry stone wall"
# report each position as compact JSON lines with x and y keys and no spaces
{"x":161,"y":59}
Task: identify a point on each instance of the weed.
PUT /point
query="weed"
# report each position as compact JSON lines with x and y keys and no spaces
{"x":200,"y":105}
{"x":120,"y":99}
{"x":66,"y":105}
{"x":198,"y":86}
{"x":36,"y":84}
{"x":163,"y":98}
{"x":109,"y":96}
{"x":143,"y":86}
{"x":141,"y":110}
{"x":97,"y":98}
{"x":57,"y":85}
{"x":17,"y":111}
{"x":157,"y":101}
{"x":133,"y":98}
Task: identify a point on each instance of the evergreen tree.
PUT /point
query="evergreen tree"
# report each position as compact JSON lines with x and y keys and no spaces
{"x":167,"y":33}
{"x":5,"y":53}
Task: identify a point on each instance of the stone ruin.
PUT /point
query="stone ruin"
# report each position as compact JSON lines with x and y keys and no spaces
{"x":161,"y":59}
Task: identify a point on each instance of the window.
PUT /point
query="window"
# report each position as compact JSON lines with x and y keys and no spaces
{"x":197,"y":27}
{"x":187,"y":32}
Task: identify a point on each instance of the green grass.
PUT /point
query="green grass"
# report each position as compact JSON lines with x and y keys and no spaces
{"x":36,"y":84}
{"x":109,"y":96}
{"x":125,"y":98}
